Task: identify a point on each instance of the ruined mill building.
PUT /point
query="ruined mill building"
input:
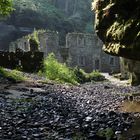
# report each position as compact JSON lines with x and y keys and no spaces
{"x":81,"y":49}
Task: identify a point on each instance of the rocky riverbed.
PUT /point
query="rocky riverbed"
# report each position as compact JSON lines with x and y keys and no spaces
{"x":37,"y":111}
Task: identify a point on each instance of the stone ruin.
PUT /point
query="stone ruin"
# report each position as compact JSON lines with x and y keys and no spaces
{"x":81,"y":49}
{"x":85,"y":51}
{"x":28,"y":61}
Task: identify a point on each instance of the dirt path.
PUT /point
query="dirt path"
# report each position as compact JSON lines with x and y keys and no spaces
{"x":116,"y":81}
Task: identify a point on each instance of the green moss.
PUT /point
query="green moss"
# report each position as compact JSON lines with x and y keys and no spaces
{"x":107,"y":133}
{"x":118,"y":25}
{"x":119,"y":30}
{"x":12,"y":74}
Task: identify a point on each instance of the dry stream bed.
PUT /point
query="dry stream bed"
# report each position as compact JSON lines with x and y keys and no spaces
{"x":33,"y":110}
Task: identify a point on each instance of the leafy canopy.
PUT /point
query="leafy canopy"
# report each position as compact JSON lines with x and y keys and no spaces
{"x":5,"y":7}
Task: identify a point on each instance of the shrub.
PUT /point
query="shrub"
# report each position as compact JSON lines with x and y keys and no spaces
{"x":95,"y":76}
{"x":54,"y":70}
{"x":34,"y":41}
{"x":80,"y":75}
{"x":59,"y":72}
{"x":83,"y":77}
{"x":6,"y":7}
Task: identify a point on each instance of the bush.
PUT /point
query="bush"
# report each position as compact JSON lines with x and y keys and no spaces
{"x":96,"y":76}
{"x":54,"y":70}
{"x":80,"y":75}
{"x":59,"y":72}
{"x":83,"y":77}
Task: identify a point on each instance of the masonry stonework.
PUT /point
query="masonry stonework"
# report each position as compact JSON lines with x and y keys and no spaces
{"x":85,"y":51}
{"x":82,"y":50}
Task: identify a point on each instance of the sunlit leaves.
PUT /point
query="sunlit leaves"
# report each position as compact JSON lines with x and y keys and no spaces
{"x":5,"y":7}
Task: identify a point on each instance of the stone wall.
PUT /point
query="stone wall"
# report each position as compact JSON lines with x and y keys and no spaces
{"x":109,"y":63}
{"x":49,"y":43}
{"x":22,"y":44}
{"x":85,"y":51}
{"x":81,"y":49}
{"x":28,"y":61}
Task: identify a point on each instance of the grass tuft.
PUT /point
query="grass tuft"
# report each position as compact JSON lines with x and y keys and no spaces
{"x":12,"y":74}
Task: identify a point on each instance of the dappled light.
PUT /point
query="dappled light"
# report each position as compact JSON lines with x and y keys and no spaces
{"x":69,"y":70}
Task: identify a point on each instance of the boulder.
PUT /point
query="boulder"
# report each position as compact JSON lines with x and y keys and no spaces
{"x":117,"y":23}
{"x":118,"y":26}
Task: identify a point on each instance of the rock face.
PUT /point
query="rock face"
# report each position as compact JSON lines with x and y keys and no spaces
{"x":118,"y":26}
{"x":130,"y":69}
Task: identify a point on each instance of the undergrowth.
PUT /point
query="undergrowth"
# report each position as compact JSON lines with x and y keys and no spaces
{"x":12,"y":74}
{"x":83,"y":77}
{"x":53,"y":70}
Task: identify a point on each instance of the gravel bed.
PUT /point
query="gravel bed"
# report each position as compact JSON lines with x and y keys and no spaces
{"x":62,"y":112}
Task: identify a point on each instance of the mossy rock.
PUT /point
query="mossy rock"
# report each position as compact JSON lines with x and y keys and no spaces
{"x":118,"y":26}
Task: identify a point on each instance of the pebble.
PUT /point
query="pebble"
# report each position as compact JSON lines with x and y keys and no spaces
{"x":66,"y":112}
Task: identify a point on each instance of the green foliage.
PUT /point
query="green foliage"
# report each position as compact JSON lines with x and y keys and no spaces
{"x":57,"y":71}
{"x":36,"y":13}
{"x":35,"y":36}
{"x":12,"y":74}
{"x":5,"y":7}
{"x":60,"y":72}
{"x":83,"y":77}
{"x":52,"y":15}
{"x":34,"y":40}
{"x":78,"y":136}
{"x":95,"y":76}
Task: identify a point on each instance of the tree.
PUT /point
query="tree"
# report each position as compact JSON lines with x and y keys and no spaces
{"x":6,"y":6}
